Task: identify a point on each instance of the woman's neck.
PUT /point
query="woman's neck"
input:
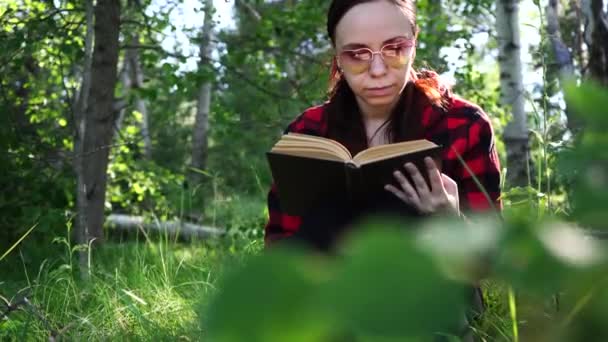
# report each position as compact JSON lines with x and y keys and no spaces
{"x":369,"y":113}
{"x":374,"y":121}
{"x":376,"y":113}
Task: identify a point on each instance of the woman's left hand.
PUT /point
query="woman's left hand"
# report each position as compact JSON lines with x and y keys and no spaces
{"x":442,"y":197}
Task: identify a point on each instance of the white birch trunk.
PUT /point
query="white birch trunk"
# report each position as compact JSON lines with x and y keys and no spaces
{"x":512,"y":91}
{"x":172,"y":228}
{"x":125,"y":79}
{"x":201,"y":124}
{"x":82,"y":229}
{"x":137,"y":82}
{"x":563,"y":56}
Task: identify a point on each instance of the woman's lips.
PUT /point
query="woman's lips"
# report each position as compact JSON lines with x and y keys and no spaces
{"x":379,"y":91}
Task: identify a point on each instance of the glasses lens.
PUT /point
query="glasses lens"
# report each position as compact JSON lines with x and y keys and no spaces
{"x":355,"y":61}
{"x":395,"y":55}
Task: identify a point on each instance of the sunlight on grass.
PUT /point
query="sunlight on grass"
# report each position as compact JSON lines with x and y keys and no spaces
{"x":133,"y":293}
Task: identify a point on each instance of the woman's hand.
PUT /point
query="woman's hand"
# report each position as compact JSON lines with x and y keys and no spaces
{"x":441,"y":198}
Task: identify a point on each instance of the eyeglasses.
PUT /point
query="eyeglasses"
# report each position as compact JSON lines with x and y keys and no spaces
{"x":357,"y":61}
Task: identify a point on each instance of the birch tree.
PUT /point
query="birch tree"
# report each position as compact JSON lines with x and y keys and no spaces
{"x":134,"y":73}
{"x":96,"y":121}
{"x":561,"y":52}
{"x":596,"y":38}
{"x":201,"y":124}
{"x":512,"y":91}
{"x":82,"y":228}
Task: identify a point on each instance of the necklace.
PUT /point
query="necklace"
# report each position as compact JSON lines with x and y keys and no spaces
{"x":380,"y":128}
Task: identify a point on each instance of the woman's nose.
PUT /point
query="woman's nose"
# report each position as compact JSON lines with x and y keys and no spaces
{"x":377,"y":66}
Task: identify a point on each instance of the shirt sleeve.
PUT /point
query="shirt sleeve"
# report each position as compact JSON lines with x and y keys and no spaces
{"x":479,"y":185}
{"x":281,"y":225}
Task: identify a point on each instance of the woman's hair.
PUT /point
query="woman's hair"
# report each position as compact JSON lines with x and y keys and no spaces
{"x":344,"y":118}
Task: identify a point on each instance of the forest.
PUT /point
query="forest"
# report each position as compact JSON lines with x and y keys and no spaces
{"x":134,"y":178}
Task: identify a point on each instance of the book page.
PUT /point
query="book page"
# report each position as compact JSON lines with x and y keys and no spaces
{"x":381,"y":152}
{"x":307,"y":152}
{"x":311,"y":146}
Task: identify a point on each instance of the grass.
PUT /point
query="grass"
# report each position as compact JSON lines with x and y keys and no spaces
{"x":137,"y":291}
{"x":158,"y":289}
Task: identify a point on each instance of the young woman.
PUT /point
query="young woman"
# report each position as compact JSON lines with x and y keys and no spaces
{"x":376,"y":98}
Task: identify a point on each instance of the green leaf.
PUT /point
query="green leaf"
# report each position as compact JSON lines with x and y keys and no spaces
{"x":588,"y":101}
{"x":273,"y":298}
{"x":389,"y":288}
{"x":543,"y":258}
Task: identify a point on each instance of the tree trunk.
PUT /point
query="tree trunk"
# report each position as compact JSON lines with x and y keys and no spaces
{"x":82,"y":228}
{"x":173,"y":228}
{"x":512,"y":91}
{"x":201,"y":124}
{"x":137,"y":82}
{"x":125,"y":79}
{"x":99,"y":119}
{"x":596,"y":33}
{"x":563,"y":57}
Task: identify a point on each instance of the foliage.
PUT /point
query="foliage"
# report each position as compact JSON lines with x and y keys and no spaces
{"x":419,"y":289}
{"x":138,"y":291}
{"x":587,"y":162}
{"x":347,"y":298}
{"x":137,"y":185}
{"x":536,"y":255}
{"x":544,"y":281}
{"x":35,"y":177}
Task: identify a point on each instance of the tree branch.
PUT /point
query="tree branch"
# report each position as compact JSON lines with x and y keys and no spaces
{"x":252,"y":11}
{"x":155,"y":48}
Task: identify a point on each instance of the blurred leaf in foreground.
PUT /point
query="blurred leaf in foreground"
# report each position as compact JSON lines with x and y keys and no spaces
{"x":382,"y":286}
{"x":274,"y":297}
{"x":389,"y":287}
{"x":588,"y":159}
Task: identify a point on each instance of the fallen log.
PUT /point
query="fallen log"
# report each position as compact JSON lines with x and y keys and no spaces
{"x":597,"y":234}
{"x":129,"y":223}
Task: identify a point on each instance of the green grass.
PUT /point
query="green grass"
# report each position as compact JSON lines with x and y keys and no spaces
{"x":159,"y":290}
{"x":137,"y":291}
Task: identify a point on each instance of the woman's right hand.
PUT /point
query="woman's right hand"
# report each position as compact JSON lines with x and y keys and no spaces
{"x":442,"y":197}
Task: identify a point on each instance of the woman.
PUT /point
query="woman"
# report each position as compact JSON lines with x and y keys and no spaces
{"x":376,"y":97}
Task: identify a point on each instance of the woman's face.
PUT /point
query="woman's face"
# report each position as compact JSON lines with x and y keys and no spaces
{"x":377,"y":80}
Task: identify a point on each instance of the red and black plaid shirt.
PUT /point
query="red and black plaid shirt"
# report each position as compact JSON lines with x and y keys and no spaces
{"x":463,"y":129}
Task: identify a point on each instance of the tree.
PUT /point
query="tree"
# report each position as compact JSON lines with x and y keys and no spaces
{"x":596,"y":38}
{"x":97,"y":122}
{"x":132,"y":79}
{"x":512,"y":91}
{"x":201,"y":123}
{"x":562,"y":54}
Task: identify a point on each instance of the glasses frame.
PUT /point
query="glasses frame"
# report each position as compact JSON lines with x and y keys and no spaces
{"x":408,"y":43}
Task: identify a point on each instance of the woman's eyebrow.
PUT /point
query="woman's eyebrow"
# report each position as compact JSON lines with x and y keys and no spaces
{"x":359,"y":45}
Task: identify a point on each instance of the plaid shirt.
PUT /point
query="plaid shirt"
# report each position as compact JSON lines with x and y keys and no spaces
{"x":463,"y":129}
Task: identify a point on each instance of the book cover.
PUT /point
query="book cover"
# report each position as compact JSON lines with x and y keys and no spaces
{"x":304,"y":181}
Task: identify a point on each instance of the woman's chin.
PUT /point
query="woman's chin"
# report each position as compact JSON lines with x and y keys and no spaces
{"x":380,"y":101}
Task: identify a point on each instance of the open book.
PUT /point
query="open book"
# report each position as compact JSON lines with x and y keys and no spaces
{"x":308,"y":170}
